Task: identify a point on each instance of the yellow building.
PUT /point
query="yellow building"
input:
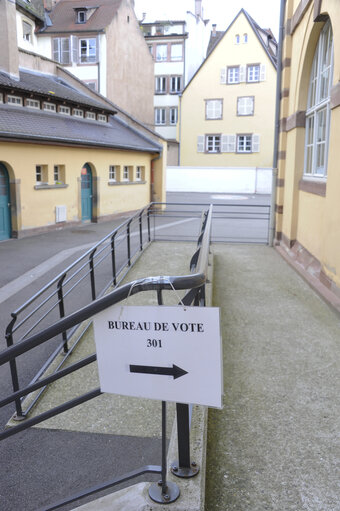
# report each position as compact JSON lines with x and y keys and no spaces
{"x":307,"y":201}
{"x":227,"y":109}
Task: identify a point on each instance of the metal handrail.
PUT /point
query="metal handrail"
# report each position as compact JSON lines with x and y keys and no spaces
{"x":190,"y":281}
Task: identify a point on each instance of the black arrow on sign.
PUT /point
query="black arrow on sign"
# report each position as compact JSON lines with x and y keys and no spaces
{"x":174,"y":371}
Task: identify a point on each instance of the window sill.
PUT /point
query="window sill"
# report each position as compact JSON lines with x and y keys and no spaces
{"x":118,"y":183}
{"x":49,"y":187}
{"x":311,"y":186}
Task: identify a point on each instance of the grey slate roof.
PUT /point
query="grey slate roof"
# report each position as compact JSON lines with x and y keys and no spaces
{"x":51,"y":86}
{"x":35,"y":125}
{"x":33,"y":7}
{"x":214,"y":39}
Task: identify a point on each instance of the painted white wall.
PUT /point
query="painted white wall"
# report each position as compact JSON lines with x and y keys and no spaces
{"x":219,"y":179}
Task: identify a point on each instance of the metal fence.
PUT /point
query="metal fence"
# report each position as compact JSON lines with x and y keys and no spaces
{"x":42,"y":311}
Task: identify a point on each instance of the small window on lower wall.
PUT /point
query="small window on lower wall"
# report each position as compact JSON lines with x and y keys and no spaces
{"x":127,"y":173}
{"x":59,"y":174}
{"x":41,"y":174}
{"x":114,"y":173}
{"x":140,"y":173}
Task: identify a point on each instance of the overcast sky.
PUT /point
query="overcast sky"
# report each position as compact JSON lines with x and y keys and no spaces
{"x":222,"y":12}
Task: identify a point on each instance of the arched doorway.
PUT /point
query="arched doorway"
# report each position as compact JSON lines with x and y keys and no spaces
{"x":5,"y":213}
{"x":86,"y":193}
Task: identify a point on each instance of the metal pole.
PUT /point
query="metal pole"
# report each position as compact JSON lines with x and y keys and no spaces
{"x":13,"y":368}
{"x":93,"y":285}
{"x":62,"y":309}
{"x":113,"y":257}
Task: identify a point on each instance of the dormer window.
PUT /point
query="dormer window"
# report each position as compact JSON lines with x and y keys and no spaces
{"x":81,"y":17}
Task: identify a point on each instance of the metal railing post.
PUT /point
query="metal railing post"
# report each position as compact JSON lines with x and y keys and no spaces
{"x":93,"y":284}
{"x":149,"y":230}
{"x":62,"y":309}
{"x":13,"y":368}
{"x":128,"y":243}
{"x":140,"y":232}
{"x":113,"y":257}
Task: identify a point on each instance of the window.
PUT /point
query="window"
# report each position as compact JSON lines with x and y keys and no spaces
{"x":49,"y":107}
{"x":59,"y":174}
{"x":41,"y":176}
{"x":213,"y":108}
{"x":245,"y":38}
{"x":88,"y":50}
{"x":176,"y":52}
{"x":1,"y":98}
{"x":139,"y":173}
{"x":234,"y":74}
{"x":64,"y":110}
{"x":175,"y":84}
{"x":78,"y":113}
{"x":244,"y":143}
{"x":126,"y":173}
{"x":318,"y":106}
{"x":81,"y":17}
{"x":32,"y":103}
{"x":161,"y":52}
{"x":92,"y":85}
{"x":112,"y":173}
{"x":159,"y":116}
{"x":27,"y":31}
{"x":245,"y":105}
{"x":14,"y":100}
{"x":253,"y":73}
{"x":237,"y":39}
{"x":90,"y":115}
{"x":102,"y":118}
{"x":160,"y":84}
{"x":61,"y":50}
{"x":213,"y":143}
{"x":173,"y":115}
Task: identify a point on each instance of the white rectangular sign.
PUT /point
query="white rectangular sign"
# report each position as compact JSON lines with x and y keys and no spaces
{"x":160,"y":352}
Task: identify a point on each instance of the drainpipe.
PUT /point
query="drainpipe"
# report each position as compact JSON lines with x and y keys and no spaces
{"x":277,"y":124}
{"x":179,"y":127}
{"x":152,"y":178}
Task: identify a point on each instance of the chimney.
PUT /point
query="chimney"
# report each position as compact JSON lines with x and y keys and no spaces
{"x":198,"y":8}
{"x":9,"y":55}
{"x":213,"y":34}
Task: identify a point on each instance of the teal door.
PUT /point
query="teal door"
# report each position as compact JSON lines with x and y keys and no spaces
{"x":86,"y":193}
{"x":5,"y":215}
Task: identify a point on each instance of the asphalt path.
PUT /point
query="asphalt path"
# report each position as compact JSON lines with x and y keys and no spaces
{"x":35,"y":463}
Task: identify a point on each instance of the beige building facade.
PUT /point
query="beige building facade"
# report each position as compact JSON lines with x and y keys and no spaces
{"x":307,"y":202}
{"x":227,"y":110}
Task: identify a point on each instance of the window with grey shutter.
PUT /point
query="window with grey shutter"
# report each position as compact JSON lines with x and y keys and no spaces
{"x":200,"y":144}
{"x":256,"y":143}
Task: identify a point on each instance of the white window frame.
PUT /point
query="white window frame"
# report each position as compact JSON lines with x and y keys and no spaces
{"x":81,"y":17}
{"x":244,"y":143}
{"x":160,"y":84}
{"x":161,"y":52}
{"x":32,"y":103}
{"x":126,"y":173}
{"x":41,"y":174}
{"x":212,"y":144}
{"x":176,"y":56}
{"x":245,"y":38}
{"x":245,"y":105}
{"x":90,"y":115}
{"x":139,"y":173}
{"x":160,"y":116}
{"x":318,"y":106}
{"x":213,"y":109}
{"x":78,"y":113}
{"x":175,"y":84}
{"x":113,"y":173}
{"x":102,"y":117}
{"x":64,"y":110}
{"x":14,"y":100}
{"x":237,"y":39}
{"x":253,"y":73}
{"x":233,"y":74}
{"x":89,"y":56}
{"x":49,"y":107}
{"x":173,"y":115}
{"x":27,"y":31}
